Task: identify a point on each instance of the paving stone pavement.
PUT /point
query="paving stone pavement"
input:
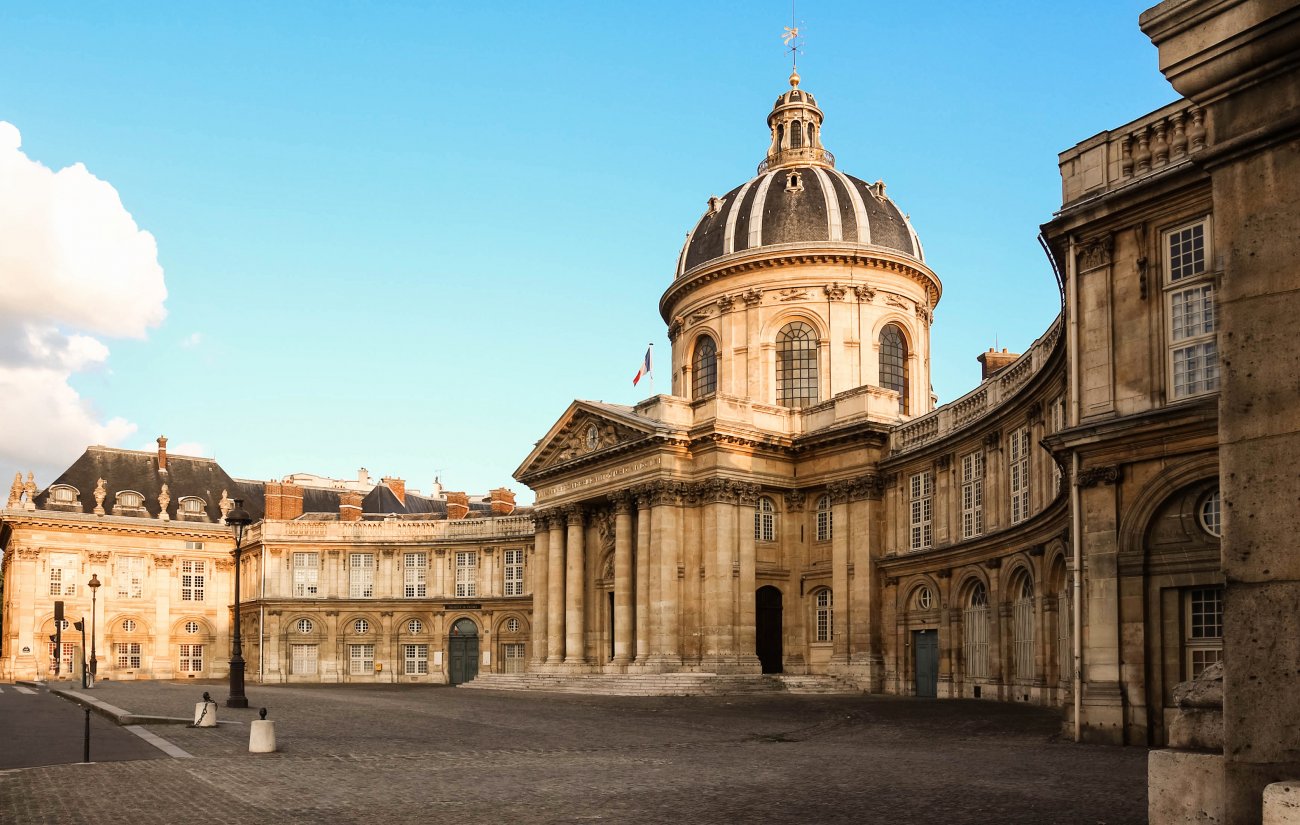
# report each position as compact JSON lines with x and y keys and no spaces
{"x":360,"y":754}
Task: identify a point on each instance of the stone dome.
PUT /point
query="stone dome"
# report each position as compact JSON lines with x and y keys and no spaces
{"x":798,"y":197}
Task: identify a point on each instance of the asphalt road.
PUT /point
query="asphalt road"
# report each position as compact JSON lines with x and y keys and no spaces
{"x":37,"y":729}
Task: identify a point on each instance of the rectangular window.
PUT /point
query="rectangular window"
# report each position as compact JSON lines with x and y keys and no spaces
{"x":415,"y":575}
{"x":1204,"y":637}
{"x":921,"y":486}
{"x":361,"y":575}
{"x":306,"y":573}
{"x":65,"y":665}
{"x":361,"y":659}
{"x":975,"y":630}
{"x":191,"y":659}
{"x":514,"y":572}
{"x":302,"y":660}
{"x":1189,"y":302}
{"x":1058,"y":424}
{"x":63,"y":574}
{"x":128,"y":655}
{"x":193,"y":545}
{"x":972,"y":494}
{"x":513,"y":657}
{"x":416,"y":659}
{"x":466,"y":574}
{"x":1064,"y":644}
{"x":1023,"y":617}
{"x":1018,"y":472}
{"x":130,"y":577}
{"x":193,"y":577}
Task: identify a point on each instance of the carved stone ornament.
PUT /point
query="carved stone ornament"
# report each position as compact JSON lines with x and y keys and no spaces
{"x":870,"y":486}
{"x":726,"y":302}
{"x":748,"y":494}
{"x":943,"y":462}
{"x":1096,"y":253}
{"x":1092,"y":476}
{"x":225,"y":505}
{"x":752,"y":297}
{"x":675,"y":327}
{"x":163,"y":561}
{"x":101,"y":492}
{"x":621,"y":501}
{"x":924,"y":314}
{"x":897,"y":301}
{"x":792,"y":294}
{"x":98,"y":557}
{"x":164,"y":499}
{"x":836,"y":292}
{"x":992,"y":440}
{"x":586,"y":434}
{"x":795,"y":500}
{"x":865,"y":293}
{"x":15,"y":492}
{"x":701,"y":314}
{"x":839,"y":491}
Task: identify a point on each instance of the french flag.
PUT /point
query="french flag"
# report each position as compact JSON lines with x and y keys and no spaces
{"x":645,"y":367}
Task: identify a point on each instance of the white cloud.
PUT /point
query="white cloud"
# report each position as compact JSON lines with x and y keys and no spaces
{"x":73,"y":266}
{"x":192,"y":340}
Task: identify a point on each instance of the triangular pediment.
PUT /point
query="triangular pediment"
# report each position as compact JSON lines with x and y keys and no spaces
{"x":586,"y":429}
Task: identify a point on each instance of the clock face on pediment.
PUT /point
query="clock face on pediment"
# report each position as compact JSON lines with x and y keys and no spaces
{"x":593,"y":437}
{"x":585,"y":434}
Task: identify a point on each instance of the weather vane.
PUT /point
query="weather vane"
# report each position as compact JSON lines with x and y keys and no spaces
{"x":790,"y":38}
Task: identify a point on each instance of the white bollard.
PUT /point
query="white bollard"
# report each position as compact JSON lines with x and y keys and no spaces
{"x":261,"y":735}
{"x":205,"y":713}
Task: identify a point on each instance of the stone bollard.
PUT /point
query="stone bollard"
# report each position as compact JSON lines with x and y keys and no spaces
{"x":261,"y":735}
{"x":205,"y":713}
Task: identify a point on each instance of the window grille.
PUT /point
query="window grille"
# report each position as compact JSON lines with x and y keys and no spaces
{"x":306,"y":572}
{"x":416,"y":659}
{"x":921,"y":487}
{"x":415,"y":568}
{"x":825,"y":619}
{"x":1211,"y":517}
{"x":972,"y":494}
{"x":191,"y":659}
{"x":63,"y":574}
{"x":796,"y":135}
{"x":1204,"y":635}
{"x":466,"y":574}
{"x":704,"y":368}
{"x":128,"y":655}
{"x":130,"y":577}
{"x":975,"y":630}
{"x":302,"y":660}
{"x":796,"y":365}
{"x":893,"y":364}
{"x":513,"y":572}
{"x":191,"y":627}
{"x":128,"y":625}
{"x":512,"y":625}
{"x":765,"y":520}
{"x":192,"y":506}
{"x":305,"y":625}
{"x":361,"y":575}
{"x":1018,"y":471}
{"x":69,"y":648}
{"x":361,"y":626}
{"x":1064,"y":640}
{"x":1194,"y":354}
{"x":513,"y":656}
{"x":193,"y":579}
{"x":1023,"y":623}
{"x":825,"y":519}
{"x":415,"y":627}
{"x":361,"y":659}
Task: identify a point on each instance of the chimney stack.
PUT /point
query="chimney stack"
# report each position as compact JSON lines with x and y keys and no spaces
{"x":457,"y":506}
{"x":993,"y":362}
{"x":283,"y":501}
{"x":349,"y":506}
{"x":398,"y":486}
{"x":162,"y":453}
{"x":503,"y":501}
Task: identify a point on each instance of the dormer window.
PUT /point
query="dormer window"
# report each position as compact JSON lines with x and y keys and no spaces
{"x":794,"y":183}
{"x":192,"y":506}
{"x":130,"y":499}
{"x":63,"y":494}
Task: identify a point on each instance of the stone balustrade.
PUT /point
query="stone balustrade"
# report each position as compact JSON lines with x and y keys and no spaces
{"x":399,"y":530}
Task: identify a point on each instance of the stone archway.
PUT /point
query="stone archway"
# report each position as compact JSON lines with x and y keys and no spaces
{"x":462,"y":652}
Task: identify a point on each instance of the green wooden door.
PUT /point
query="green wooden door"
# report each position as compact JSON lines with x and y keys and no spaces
{"x":925,"y":644}
{"x":462,"y":652}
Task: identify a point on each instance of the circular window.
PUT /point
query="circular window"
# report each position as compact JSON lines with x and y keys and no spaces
{"x":414,"y":626}
{"x":62,"y":625}
{"x":305,"y":625}
{"x":129,"y":625}
{"x":191,"y":627}
{"x":361,"y":626}
{"x":1210,"y":514}
{"x":512,"y":625}
{"x":924,"y":598}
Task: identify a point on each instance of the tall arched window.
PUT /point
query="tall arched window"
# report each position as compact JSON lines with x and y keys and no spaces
{"x":975,"y":629}
{"x":765,"y":520}
{"x":704,"y":368}
{"x":825,"y":519}
{"x":1023,"y":617}
{"x":825,"y":620}
{"x":796,"y":365}
{"x":796,"y":135}
{"x":893,"y":364}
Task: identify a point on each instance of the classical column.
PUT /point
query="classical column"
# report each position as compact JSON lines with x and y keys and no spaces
{"x":745,"y":610}
{"x":865,"y":548}
{"x":717,"y":564}
{"x":538,"y":577}
{"x":574,"y":592}
{"x":622,"y":577}
{"x":555,"y":591}
{"x":665,"y":538}
{"x":842,"y":629}
{"x":643,"y":618}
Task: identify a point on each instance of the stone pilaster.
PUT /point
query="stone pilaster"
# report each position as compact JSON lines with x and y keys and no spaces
{"x":747,"y":652}
{"x":539,"y":586}
{"x":622,"y":578}
{"x":555,"y":592}
{"x":642,"y":615}
{"x":574,"y":590}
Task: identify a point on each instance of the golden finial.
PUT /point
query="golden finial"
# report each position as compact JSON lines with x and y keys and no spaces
{"x":794,"y":78}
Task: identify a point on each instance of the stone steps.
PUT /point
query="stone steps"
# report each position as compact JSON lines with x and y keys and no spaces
{"x":662,"y":684}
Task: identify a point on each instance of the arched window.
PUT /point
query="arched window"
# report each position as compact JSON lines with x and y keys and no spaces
{"x":796,"y":365}
{"x":825,"y":620}
{"x":893,"y":364}
{"x":975,"y":630}
{"x":825,"y":519}
{"x":765,"y":520}
{"x":704,"y":368}
{"x":780,"y":135}
{"x":1023,"y":618}
{"x":796,"y":135}
{"x":811,"y":140}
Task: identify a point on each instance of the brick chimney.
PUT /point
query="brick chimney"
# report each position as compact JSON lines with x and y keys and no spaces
{"x":993,"y":362}
{"x":349,"y":506}
{"x":398,"y":486}
{"x":283,"y":501}
{"x":457,"y":506}
{"x":162,"y":453}
{"x":503,"y":501}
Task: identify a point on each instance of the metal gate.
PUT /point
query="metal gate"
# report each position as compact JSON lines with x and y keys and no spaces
{"x":462,"y":652}
{"x":925,"y":643}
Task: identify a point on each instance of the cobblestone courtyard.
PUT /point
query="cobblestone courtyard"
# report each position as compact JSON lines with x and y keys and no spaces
{"x":351,"y":754}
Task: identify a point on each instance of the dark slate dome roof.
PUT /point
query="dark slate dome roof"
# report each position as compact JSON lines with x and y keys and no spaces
{"x":811,"y":204}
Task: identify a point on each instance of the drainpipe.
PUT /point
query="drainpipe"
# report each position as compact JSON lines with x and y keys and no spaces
{"x":1076,"y":516}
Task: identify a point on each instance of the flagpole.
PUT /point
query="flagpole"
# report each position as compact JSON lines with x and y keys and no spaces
{"x":652,"y":369}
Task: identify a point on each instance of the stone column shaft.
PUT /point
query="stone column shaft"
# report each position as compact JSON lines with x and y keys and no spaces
{"x":746,"y":614}
{"x":622,"y":583}
{"x":841,"y":599}
{"x":555,"y":593}
{"x":538,"y":586}
{"x":642,"y":618}
{"x":574,"y":592}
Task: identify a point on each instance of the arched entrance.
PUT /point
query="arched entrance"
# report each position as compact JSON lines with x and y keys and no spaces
{"x":462,"y":652}
{"x":767,"y":631}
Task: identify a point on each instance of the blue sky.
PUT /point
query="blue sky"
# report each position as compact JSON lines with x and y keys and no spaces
{"x":405,"y":235}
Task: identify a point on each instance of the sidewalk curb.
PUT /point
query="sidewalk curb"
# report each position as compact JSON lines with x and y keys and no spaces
{"x":117,"y":715}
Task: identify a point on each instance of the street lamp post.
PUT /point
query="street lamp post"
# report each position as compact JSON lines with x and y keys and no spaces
{"x":93,"y":584}
{"x":238,"y":518}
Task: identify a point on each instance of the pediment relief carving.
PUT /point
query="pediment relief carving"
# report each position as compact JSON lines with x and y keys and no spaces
{"x":586,"y":434}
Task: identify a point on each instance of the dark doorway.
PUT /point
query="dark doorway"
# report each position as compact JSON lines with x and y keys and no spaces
{"x":462,"y":652}
{"x":611,"y":624}
{"x":767,"y":635}
{"x":925,"y":645}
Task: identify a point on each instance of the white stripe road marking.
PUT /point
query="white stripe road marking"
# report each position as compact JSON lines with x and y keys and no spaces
{"x":159,"y":743}
{"x":22,"y":689}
